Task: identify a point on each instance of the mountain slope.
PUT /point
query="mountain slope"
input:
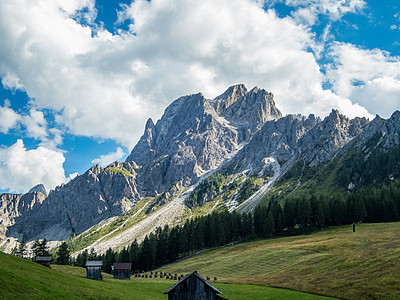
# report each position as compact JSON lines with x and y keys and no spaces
{"x":193,"y":137}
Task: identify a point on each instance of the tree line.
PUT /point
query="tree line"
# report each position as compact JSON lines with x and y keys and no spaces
{"x":305,"y":213}
{"x":292,"y":215}
{"x":168,"y":244}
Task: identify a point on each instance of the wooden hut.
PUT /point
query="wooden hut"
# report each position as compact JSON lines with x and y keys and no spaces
{"x":93,"y":269}
{"x":44,"y":260}
{"x":193,"y":287}
{"x":121,"y":270}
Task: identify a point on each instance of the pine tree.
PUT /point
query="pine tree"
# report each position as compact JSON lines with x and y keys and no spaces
{"x":123,"y":256}
{"x":108,"y":260}
{"x":21,"y":252}
{"x":269,"y":226}
{"x":63,"y":254}
{"x":82,"y":258}
{"x":134,"y":255}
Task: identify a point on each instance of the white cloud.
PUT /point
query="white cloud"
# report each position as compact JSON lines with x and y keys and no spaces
{"x":11,"y":81}
{"x":308,"y":10}
{"x":368,"y":77}
{"x":36,"y":124}
{"x":8,"y":117}
{"x":105,"y":160}
{"x":393,"y":27}
{"x":104,"y":85}
{"x":33,"y":124}
{"x":21,"y":169}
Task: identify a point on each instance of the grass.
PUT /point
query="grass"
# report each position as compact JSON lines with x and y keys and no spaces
{"x":334,"y":262}
{"x":120,"y":171}
{"x":22,"y":279}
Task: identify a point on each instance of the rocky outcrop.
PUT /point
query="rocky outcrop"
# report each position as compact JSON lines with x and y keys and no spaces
{"x":14,"y":206}
{"x":39,"y":189}
{"x":195,"y":135}
{"x":86,"y":200}
{"x":291,"y":137}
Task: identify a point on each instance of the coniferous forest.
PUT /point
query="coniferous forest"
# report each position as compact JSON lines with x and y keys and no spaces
{"x":289,"y":217}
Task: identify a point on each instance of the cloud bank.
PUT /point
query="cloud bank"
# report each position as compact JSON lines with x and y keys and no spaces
{"x":104,"y":85}
{"x":22,"y":169}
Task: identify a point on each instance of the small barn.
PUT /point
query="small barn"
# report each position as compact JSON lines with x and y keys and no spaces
{"x":93,"y":269}
{"x":44,"y":260}
{"x":193,"y":287}
{"x":121,"y":270}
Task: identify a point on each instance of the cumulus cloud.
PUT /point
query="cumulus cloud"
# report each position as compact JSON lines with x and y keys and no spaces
{"x":8,"y":117}
{"x":368,"y":77}
{"x":104,"y":85}
{"x":33,"y":124}
{"x":307,"y":11}
{"x":21,"y":169}
{"x":105,"y":160}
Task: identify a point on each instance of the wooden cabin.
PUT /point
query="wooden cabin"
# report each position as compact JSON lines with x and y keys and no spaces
{"x":121,"y":270}
{"x":44,"y":260}
{"x":193,"y":287}
{"x":93,"y":269}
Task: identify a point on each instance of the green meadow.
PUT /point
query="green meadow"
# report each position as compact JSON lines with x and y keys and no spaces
{"x":334,"y":262}
{"x":22,"y":279}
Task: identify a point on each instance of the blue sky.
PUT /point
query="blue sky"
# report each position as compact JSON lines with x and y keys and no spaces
{"x":80,"y":78}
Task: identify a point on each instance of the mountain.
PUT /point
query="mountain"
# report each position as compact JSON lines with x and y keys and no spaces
{"x":227,"y":152}
{"x":194,"y":136}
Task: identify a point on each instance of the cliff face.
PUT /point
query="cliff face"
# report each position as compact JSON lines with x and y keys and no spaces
{"x":195,"y":135}
{"x":86,"y":200}
{"x":14,"y":206}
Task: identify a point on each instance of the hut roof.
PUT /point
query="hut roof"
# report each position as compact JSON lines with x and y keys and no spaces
{"x":122,"y":266}
{"x":190,"y":275}
{"x":94,"y":263}
{"x":43,"y":259}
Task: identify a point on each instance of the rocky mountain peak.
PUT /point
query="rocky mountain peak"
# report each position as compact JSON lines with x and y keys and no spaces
{"x":395,"y":116}
{"x":252,"y":110}
{"x":39,"y":188}
{"x":230,"y":96}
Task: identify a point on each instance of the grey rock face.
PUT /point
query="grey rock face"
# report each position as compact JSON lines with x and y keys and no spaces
{"x":13,"y":207}
{"x":291,"y":137}
{"x":38,"y":188}
{"x":81,"y":203}
{"x":195,"y":135}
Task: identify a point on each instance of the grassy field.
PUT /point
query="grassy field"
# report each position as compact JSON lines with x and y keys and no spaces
{"x":334,"y":262}
{"x":22,"y":279}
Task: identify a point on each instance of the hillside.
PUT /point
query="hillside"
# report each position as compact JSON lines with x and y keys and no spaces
{"x":23,"y":279}
{"x":334,"y":262}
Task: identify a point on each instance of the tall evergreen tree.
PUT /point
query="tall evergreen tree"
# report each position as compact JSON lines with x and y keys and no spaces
{"x":134,"y":255}
{"x":21,"y":252}
{"x":63,"y":254}
{"x":108,"y":260}
{"x":269,"y":226}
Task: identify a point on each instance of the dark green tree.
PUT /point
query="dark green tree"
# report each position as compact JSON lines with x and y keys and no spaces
{"x":269,"y":226}
{"x":21,"y":252}
{"x":134,"y":255}
{"x":63,"y":254}
{"x":108,"y":260}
